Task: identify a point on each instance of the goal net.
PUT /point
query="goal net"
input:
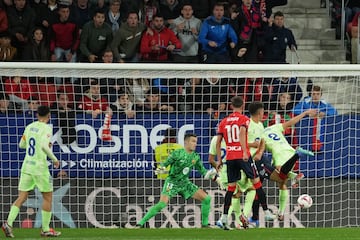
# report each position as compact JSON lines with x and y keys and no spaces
{"x":109,"y":182}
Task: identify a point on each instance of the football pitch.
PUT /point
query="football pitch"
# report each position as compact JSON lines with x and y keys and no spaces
{"x":199,"y":234}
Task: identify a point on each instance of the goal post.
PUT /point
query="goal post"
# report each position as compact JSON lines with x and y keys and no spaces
{"x":109,"y":184}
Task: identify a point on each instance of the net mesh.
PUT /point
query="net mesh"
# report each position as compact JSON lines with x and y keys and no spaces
{"x":111,"y":183}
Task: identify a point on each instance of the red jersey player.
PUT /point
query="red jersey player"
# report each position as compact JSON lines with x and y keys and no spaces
{"x":233,"y":129}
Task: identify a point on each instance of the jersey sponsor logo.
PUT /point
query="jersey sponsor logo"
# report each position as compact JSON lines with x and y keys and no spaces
{"x":233,"y":148}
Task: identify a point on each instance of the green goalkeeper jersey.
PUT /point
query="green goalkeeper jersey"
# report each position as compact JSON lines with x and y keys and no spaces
{"x":255,"y":131}
{"x":181,"y":163}
{"x":277,"y":144}
{"x":35,"y":136}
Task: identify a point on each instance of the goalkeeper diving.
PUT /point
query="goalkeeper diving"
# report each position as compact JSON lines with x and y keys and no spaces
{"x":181,"y":162}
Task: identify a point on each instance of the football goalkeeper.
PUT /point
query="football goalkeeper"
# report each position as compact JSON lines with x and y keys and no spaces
{"x":35,"y":172}
{"x":181,"y":162}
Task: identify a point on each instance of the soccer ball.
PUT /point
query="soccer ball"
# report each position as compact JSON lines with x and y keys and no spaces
{"x":305,"y":201}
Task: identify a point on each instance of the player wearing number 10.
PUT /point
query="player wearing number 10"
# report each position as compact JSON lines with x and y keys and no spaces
{"x":234,"y":129}
{"x":35,"y":172}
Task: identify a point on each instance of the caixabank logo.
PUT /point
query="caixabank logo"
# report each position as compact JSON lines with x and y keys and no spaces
{"x":59,"y":211}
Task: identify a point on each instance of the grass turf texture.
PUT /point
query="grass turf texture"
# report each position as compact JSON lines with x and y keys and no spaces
{"x":197,"y":234}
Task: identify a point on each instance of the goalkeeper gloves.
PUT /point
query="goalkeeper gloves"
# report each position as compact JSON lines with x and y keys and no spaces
{"x":211,"y":174}
{"x":161,"y":170}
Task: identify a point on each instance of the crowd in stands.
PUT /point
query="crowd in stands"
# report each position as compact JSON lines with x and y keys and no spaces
{"x":197,"y":31}
{"x":118,"y":31}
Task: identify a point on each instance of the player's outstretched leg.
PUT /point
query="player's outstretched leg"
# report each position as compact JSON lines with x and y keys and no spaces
{"x":152,"y":212}
{"x":205,"y":210}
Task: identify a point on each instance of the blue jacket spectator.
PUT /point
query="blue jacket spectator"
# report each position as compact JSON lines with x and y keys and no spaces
{"x":215,"y":35}
{"x":315,"y":102}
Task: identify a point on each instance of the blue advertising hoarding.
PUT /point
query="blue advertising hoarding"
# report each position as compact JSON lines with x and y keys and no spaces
{"x":130,"y":154}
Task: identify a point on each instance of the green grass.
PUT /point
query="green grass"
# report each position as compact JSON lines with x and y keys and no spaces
{"x":197,"y":234}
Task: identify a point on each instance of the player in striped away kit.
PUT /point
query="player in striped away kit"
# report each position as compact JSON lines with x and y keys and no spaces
{"x":181,"y":162}
{"x":234,"y":129}
{"x":35,"y":172}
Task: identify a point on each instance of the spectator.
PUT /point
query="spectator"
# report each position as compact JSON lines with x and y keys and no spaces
{"x":252,"y":90}
{"x":32,"y":105}
{"x":187,"y":29}
{"x":215,"y":96}
{"x":282,"y":113}
{"x":37,"y":49}
{"x":147,"y":10}
{"x":92,"y":102}
{"x":126,"y":42}
{"x":285,"y":85}
{"x":115,"y":15}
{"x":82,"y":13}
{"x":110,"y":87}
{"x":123,"y":107}
{"x":66,"y":116}
{"x":4,"y":24}
{"x":156,"y":47}
{"x":324,"y":109}
{"x":6,"y":106}
{"x":19,"y":90}
{"x":354,"y":38}
{"x":64,"y":37}
{"x":46,"y":14}
{"x":108,"y":56}
{"x":246,"y":21}
{"x":214,"y":36}
{"x":98,"y":4}
{"x":137,"y":89}
{"x":277,"y":39}
{"x":315,"y":102}
{"x":21,"y":22}
{"x":7,"y":51}
{"x":96,"y":36}
{"x":152,"y":104}
{"x":206,"y":95}
{"x":351,"y":9}
{"x":170,"y":9}
{"x":202,"y":8}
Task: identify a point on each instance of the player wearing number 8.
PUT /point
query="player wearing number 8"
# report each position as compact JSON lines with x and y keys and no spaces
{"x":35,"y":172}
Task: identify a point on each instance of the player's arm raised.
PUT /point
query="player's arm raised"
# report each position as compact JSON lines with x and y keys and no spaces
{"x":296,"y":119}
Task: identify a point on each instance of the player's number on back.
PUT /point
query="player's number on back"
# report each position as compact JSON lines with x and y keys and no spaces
{"x":233,"y":133}
{"x":31,"y":149}
{"x":274,"y":136}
